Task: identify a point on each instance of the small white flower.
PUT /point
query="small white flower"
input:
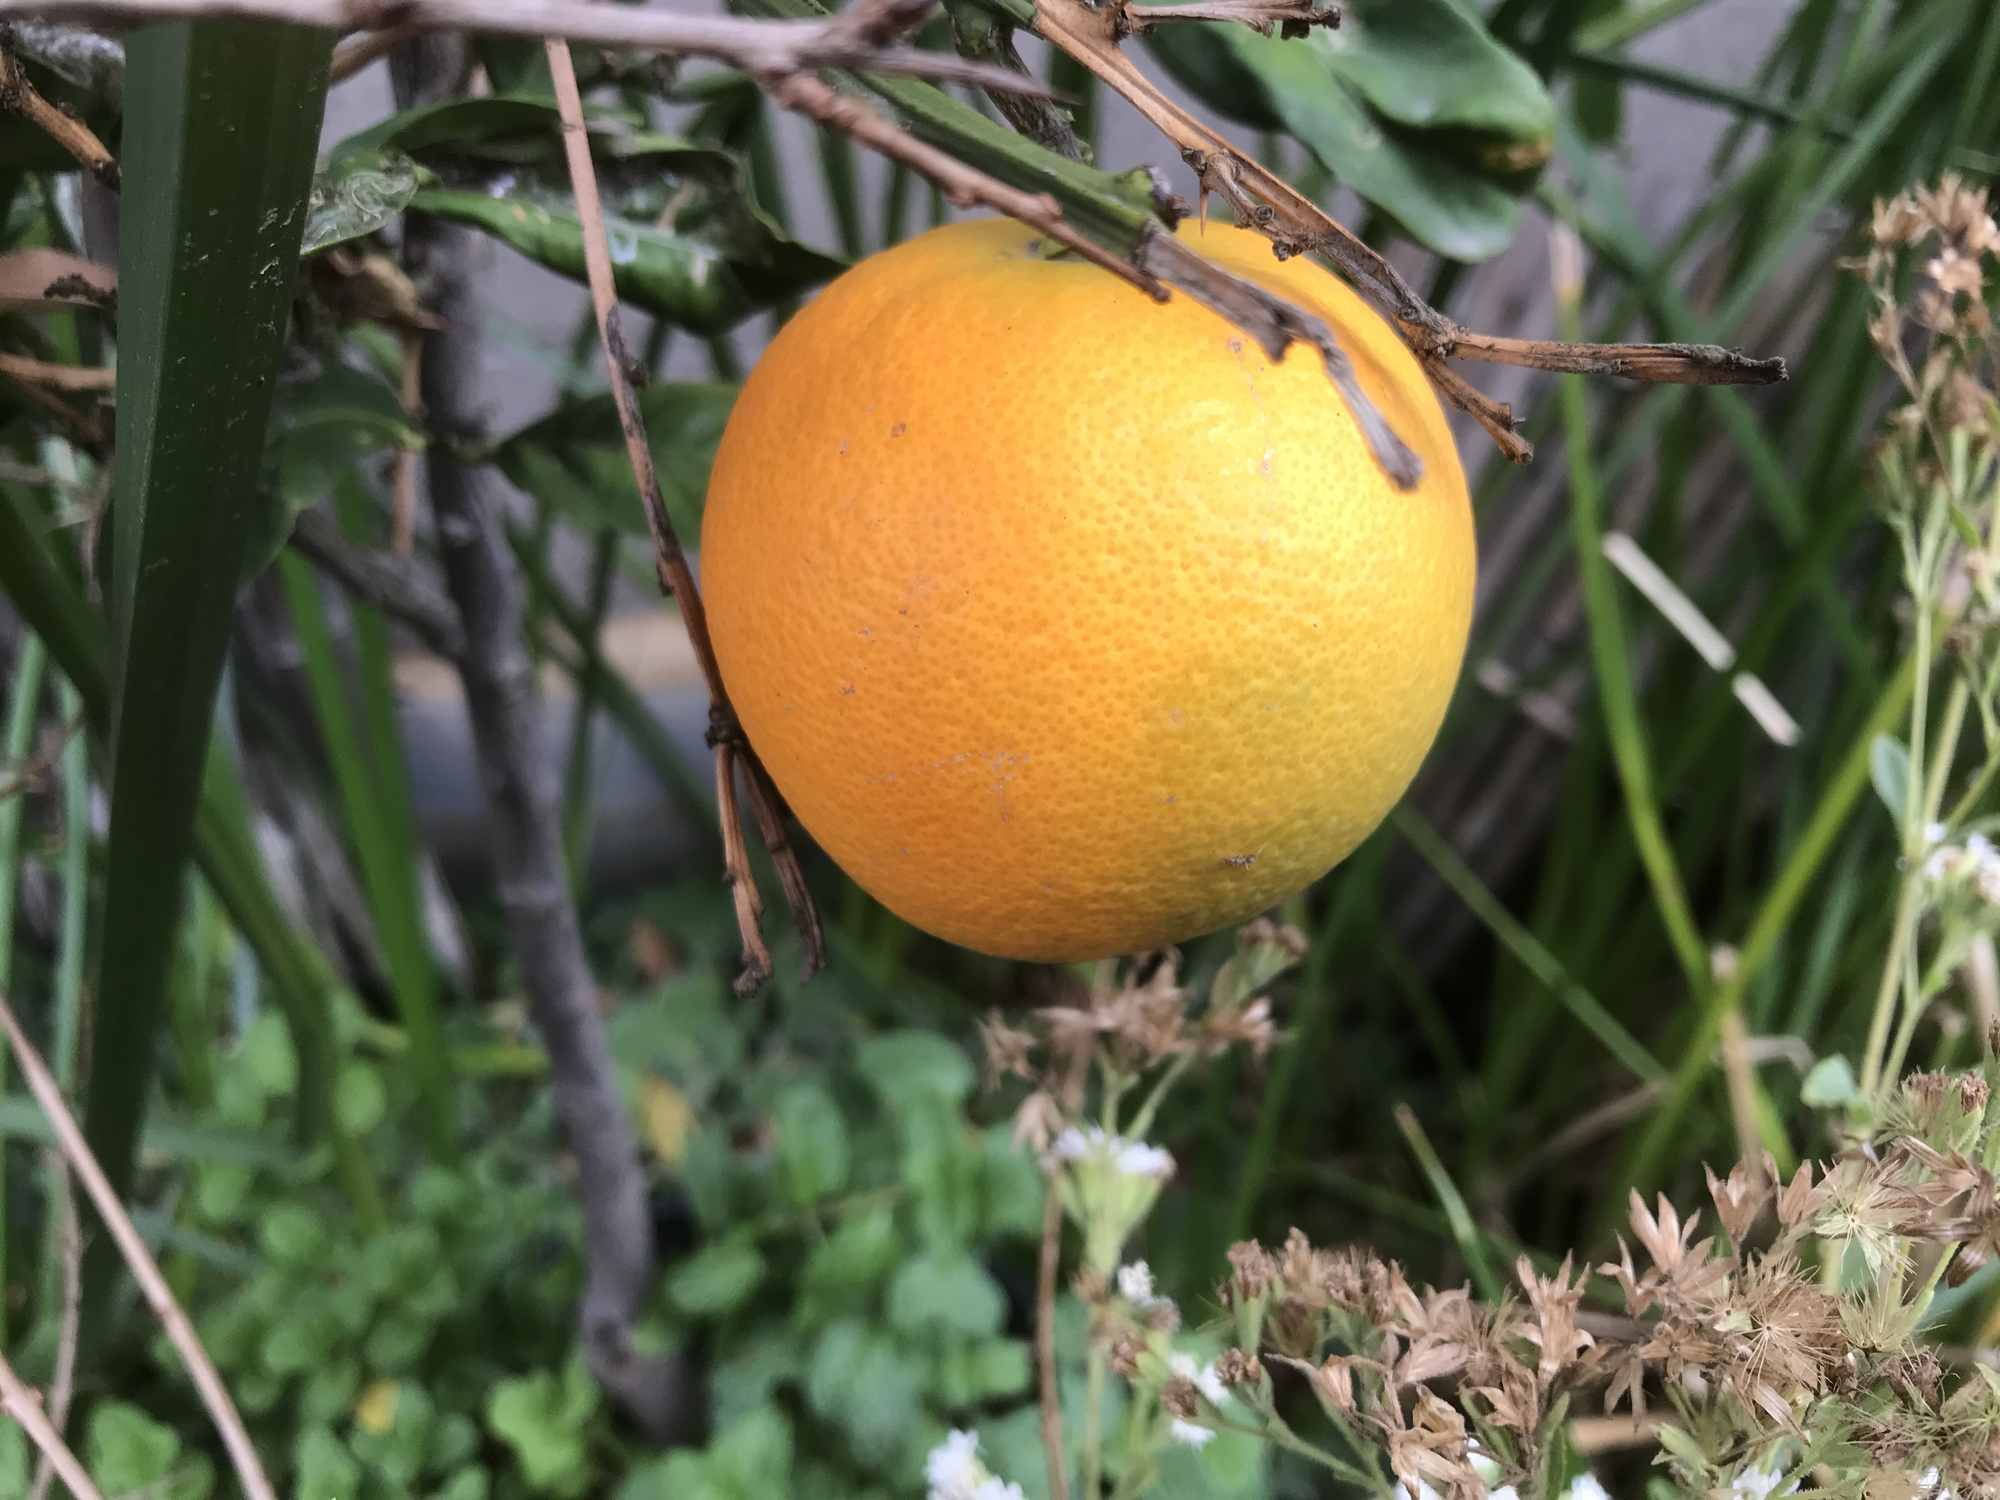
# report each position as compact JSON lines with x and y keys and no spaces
{"x":1073,"y":1144}
{"x":1137,"y":1159}
{"x":1934,"y":834}
{"x":1940,"y":862}
{"x":1979,"y":849}
{"x":1505,"y":1492}
{"x":1135,"y":1283}
{"x":953,"y":1469}
{"x":1203,"y":1376}
{"x":1193,"y":1436}
{"x":1759,"y":1484}
{"x":1586,"y":1487}
{"x":998,"y":1489}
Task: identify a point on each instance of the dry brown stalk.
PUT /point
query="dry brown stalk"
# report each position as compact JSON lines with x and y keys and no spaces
{"x":145,"y":1270}
{"x":676,"y":579}
{"x":78,"y":139}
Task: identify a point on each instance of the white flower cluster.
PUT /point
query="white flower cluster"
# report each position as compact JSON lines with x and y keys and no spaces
{"x":954,"y":1472}
{"x":1135,"y":1285}
{"x":1976,"y":861}
{"x":1208,"y":1383}
{"x":1130,"y":1158}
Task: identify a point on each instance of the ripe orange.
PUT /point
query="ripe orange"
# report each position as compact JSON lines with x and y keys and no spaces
{"x":1068,"y":622}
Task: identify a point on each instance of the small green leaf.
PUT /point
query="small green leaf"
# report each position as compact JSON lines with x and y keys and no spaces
{"x":946,"y":1291}
{"x":360,"y":1100}
{"x":688,"y":241}
{"x":574,"y":458}
{"x":267,"y":1056}
{"x":1889,"y":770}
{"x":911,"y":1067}
{"x":1829,"y":1084}
{"x":717,"y":1279}
{"x":356,"y":194}
{"x":755,"y":1453}
{"x":861,"y":1380}
{"x":304,"y":1341}
{"x":1411,"y":103}
{"x":292,"y":1235}
{"x":325,"y":1469}
{"x":812,"y":1143}
{"x":856,"y":1255}
{"x":544,"y":1421}
{"x":127,"y":1450}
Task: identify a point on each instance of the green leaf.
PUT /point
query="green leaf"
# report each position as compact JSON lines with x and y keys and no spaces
{"x":717,"y":1279}
{"x":946,"y":1291}
{"x":221,"y":122}
{"x":322,"y":429}
{"x":1889,"y":770}
{"x":856,"y":1255}
{"x":267,"y":1056}
{"x":574,"y":458}
{"x":13,"y":1459}
{"x":356,"y":194}
{"x":125,"y":1449}
{"x":869,"y":1386}
{"x":912,"y":1067}
{"x":1411,"y":103}
{"x":545,"y":1420}
{"x":292,"y":1235}
{"x":754,"y":1453}
{"x":812,"y":1143}
{"x":688,"y":241}
{"x":325,"y":1469}
{"x":1432,"y":64}
{"x":360,"y":1098}
{"x":1829,"y":1084}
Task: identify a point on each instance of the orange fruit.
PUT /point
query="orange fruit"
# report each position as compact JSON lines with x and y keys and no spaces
{"x":1068,"y":622}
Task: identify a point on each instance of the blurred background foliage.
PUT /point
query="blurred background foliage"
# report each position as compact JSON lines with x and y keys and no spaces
{"x":346,"y":1154}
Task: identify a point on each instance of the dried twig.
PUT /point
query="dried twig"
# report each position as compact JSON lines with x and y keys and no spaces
{"x":1290,"y":18}
{"x":78,"y":139}
{"x":28,"y":371}
{"x":758,"y":47}
{"x":42,"y":276}
{"x":20,"y":1403}
{"x":32,"y":770}
{"x":1045,"y":1342}
{"x":670,"y":561}
{"x":1297,"y":225}
{"x":351,"y":56}
{"x":145,"y":1270}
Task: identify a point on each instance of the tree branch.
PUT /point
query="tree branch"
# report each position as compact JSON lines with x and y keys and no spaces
{"x":390,"y":582}
{"x":1290,"y":18}
{"x":758,"y":47}
{"x":1297,"y":225}
{"x":78,"y":139}
{"x":506,"y":713}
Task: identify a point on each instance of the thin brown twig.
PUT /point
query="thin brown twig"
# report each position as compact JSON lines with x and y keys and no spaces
{"x":35,"y":768}
{"x":145,"y":1270}
{"x":1045,"y":1342}
{"x":756,"y":46}
{"x":356,"y":53}
{"x":20,"y":1403}
{"x":1297,"y":225}
{"x":1291,"y":18}
{"x":670,"y":561}
{"x":409,"y":460}
{"x":78,"y":139}
{"x":54,"y":377}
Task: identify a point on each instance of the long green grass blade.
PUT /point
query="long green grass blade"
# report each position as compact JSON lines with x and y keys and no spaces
{"x":25,"y":695}
{"x":384,"y":852}
{"x":221,"y":127}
